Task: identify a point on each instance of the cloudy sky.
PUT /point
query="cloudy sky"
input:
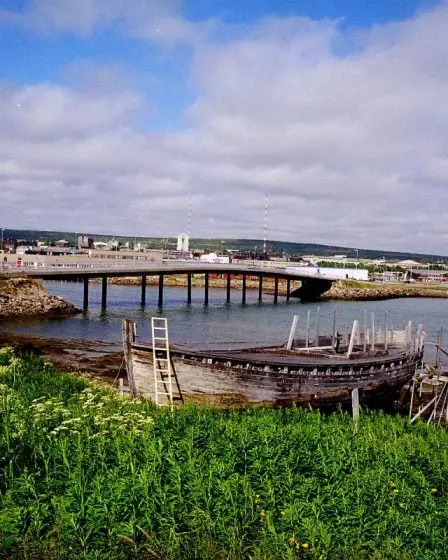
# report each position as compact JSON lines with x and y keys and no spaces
{"x":116,"y":116}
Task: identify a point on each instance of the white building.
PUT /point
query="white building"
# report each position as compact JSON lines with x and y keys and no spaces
{"x":183,"y":242}
{"x":214,"y":258}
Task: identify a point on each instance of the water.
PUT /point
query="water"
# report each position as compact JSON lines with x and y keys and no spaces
{"x":220,"y":322}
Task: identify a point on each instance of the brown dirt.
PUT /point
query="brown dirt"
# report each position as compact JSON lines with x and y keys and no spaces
{"x":96,"y":359}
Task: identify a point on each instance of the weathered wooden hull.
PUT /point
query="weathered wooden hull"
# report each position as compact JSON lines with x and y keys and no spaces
{"x":242,"y":379}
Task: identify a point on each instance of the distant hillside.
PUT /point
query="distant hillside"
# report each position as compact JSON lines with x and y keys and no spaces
{"x":275,"y":248}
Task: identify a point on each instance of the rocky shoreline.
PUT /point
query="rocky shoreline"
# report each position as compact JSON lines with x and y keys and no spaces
{"x":26,"y":298}
{"x":347,"y":290}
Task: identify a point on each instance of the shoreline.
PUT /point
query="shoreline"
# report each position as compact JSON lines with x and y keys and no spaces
{"x":341,"y":290}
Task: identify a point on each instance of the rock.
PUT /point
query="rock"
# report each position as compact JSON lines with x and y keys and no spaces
{"x":24,"y":297}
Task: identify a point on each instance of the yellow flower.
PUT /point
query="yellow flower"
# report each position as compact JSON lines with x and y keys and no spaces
{"x":305,"y":545}
{"x":433,"y":490}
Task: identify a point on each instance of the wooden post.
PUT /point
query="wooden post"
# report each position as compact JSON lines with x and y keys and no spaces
{"x":288,"y":289}
{"x":243,"y":296}
{"x":292,"y":332}
{"x":307,"y":341}
{"x":228,"y":287}
{"x":276,"y":289}
{"x":206,"y":289}
{"x":160,"y":302}
{"x":372,"y":316}
{"x":104,"y":292}
{"x":260,"y":288}
{"x":355,"y":403}
{"x":143,"y":297}
{"x":355,"y":328}
{"x":365,"y":330}
{"x":386,"y":328}
{"x":316,"y":343}
{"x":189,"y":287}
{"x":86,"y":293}
{"x":128,"y":338}
{"x":333,"y":330}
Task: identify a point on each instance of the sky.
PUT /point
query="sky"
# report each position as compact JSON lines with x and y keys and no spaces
{"x":118,"y":117}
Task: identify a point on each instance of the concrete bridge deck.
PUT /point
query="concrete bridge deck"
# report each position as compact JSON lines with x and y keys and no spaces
{"x":312,"y":285}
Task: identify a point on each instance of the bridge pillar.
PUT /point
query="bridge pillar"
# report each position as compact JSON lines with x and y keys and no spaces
{"x":276,"y":289}
{"x":143,"y":298}
{"x":288,"y":289}
{"x":206,"y":289}
{"x":104,"y":291}
{"x":260,"y":288}
{"x":243,"y":297}
{"x":189,"y":287}
{"x":160,"y":302}
{"x":228,"y":287}
{"x":86,"y":292}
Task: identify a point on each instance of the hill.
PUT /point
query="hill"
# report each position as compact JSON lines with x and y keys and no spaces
{"x":275,"y":248}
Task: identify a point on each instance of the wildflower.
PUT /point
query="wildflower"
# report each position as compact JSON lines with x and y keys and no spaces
{"x":433,"y":490}
{"x":292,"y":541}
{"x":305,"y":545}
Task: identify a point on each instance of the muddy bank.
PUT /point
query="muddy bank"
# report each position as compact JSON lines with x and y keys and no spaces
{"x":27,"y":298}
{"x":347,"y":290}
{"x":98,"y":359}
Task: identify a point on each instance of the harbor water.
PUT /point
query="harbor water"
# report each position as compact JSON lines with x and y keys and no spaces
{"x":221,"y":322}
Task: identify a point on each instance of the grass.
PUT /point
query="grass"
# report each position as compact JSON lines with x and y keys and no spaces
{"x":89,"y":474}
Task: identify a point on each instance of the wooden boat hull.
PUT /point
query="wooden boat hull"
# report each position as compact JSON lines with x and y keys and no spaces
{"x":241,"y":379}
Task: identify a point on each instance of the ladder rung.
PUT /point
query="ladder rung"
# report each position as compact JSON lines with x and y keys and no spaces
{"x":160,"y":338}
{"x":163,"y":393}
{"x":162,"y":360}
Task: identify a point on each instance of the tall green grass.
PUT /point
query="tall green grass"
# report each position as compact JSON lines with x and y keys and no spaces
{"x":85,"y":473}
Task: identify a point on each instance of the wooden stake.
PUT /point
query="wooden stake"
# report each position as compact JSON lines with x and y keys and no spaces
{"x":292,"y":332}
{"x":307,"y":342}
{"x":355,"y":403}
{"x":316,"y":343}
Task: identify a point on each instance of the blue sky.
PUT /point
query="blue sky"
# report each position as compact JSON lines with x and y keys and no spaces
{"x":324,"y":105}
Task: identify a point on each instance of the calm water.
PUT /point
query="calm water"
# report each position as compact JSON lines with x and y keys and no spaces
{"x":221,"y":322}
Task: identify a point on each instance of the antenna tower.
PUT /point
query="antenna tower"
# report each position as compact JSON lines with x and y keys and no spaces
{"x":189,"y":217}
{"x":265,"y":232}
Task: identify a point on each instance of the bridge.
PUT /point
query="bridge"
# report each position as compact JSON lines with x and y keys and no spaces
{"x":311,"y":288}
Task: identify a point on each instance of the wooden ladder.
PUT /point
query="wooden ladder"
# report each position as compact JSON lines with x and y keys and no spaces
{"x":163,"y":370}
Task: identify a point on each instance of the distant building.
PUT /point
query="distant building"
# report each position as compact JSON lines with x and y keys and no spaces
{"x":214,"y":258}
{"x":112,"y":245}
{"x":182,"y":242}
{"x":99,"y":245}
{"x":84,"y":242}
{"x":61,"y":243}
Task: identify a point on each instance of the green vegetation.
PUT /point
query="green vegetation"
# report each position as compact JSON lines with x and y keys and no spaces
{"x":88,"y":474}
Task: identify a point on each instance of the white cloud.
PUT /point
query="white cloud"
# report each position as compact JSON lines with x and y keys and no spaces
{"x":352,"y":149}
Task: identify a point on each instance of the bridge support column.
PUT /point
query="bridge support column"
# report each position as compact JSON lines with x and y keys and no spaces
{"x":206,"y":289}
{"x":288,"y":289}
{"x":276,"y":289}
{"x":243,"y":297}
{"x":104,"y":291}
{"x":86,"y":293}
{"x":260,"y":288}
{"x":143,"y":298}
{"x":228,"y":287}
{"x":160,"y":302}
{"x":189,"y":287}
